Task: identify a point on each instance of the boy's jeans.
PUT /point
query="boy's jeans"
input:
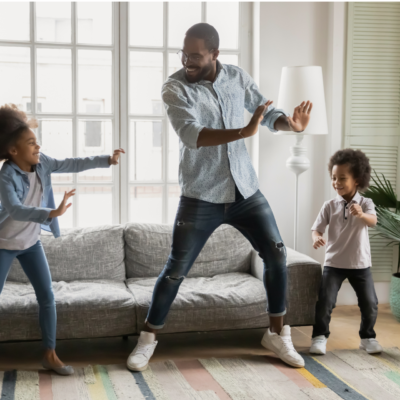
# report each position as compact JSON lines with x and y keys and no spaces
{"x":195,"y":221}
{"x":363,"y":284}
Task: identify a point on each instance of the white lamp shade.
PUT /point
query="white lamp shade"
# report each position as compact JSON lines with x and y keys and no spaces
{"x":301,"y":84}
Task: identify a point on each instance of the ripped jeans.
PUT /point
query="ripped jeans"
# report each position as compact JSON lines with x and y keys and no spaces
{"x":195,"y":221}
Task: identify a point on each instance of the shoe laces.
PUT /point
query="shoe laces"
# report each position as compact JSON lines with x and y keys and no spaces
{"x":144,"y":348}
{"x":287,"y":344}
{"x":319,"y":340}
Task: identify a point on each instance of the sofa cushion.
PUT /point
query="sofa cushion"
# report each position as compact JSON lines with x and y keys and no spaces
{"x":148,"y":247}
{"x":228,"y":301}
{"x":84,"y":309}
{"x":83,"y":253}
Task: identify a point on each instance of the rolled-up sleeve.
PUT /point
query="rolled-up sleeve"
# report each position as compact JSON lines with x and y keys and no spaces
{"x":253,"y":99}
{"x":181,"y":115}
{"x":322,"y":220}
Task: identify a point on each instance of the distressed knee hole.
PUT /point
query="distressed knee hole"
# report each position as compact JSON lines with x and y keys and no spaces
{"x":180,"y":223}
{"x":279,"y":245}
{"x":174,"y":278}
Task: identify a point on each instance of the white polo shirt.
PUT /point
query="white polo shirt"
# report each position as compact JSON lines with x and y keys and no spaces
{"x":348,"y":241}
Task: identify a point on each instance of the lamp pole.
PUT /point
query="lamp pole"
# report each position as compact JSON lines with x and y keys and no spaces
{"x":297,"y":163}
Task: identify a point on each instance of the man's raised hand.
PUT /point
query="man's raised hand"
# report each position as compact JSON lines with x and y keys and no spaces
{"x":301,"y":117}
{"x":252,"y":128}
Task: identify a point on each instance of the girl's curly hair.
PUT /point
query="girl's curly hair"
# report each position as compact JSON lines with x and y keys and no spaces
{"x":358,"y":164}
{"x":13,"y":123}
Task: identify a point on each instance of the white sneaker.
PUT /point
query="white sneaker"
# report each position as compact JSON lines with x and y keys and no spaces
{"x":141,"y":354}
{"x":371,"y":346}
{"x":282,"y":346}
{"x":318,"y":345}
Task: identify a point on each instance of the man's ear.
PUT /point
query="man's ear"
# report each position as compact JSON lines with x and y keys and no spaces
{"x":215,"y":54}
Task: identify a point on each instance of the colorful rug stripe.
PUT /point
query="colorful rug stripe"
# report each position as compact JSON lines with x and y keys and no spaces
{"x":124,"y":384}
{"x":1,"y":381}
{"x":45,"y":391}
{"x":143,"y":386}
{"x":333,"y":382}
{"x":8,"y":388}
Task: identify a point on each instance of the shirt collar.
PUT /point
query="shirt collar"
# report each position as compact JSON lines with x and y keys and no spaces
{"x":355,"y":199}
{"x":18,"y":169}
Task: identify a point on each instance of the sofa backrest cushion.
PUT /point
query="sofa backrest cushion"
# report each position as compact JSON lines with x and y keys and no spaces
{"x":82,"y":253}
{"x":147,"y":247}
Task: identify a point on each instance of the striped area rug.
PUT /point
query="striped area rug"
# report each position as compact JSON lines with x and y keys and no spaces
{"x":343,"y":374}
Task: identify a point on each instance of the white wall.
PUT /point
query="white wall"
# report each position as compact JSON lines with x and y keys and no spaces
{"x":304,"y":34}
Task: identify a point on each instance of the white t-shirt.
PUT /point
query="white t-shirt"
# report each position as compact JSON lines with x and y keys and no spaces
{"x":20,"y":235}
{"x":348,"y":241}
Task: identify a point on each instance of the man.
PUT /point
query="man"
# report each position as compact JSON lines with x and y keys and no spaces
{"x":204,"y":102}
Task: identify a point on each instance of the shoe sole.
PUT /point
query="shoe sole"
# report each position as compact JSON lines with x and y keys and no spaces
{"x":137,"y":369}
{"x":369,"y":351}
{"x":264,"y":344}
{"x":317,"y":352}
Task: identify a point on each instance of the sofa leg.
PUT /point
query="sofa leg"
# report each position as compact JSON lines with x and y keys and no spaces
{"x":125,"y":337}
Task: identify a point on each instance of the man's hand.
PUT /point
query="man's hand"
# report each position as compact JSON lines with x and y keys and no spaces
{"x":301,"y":117}
{"x":356,"y":210}
{"x":319,"y":241}
{"x":252,"y":128}
{"x":63,"y":207}
{"x":113,"y":160}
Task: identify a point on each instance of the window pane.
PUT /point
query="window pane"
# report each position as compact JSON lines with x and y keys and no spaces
{"x":181,"y":16}
{"x":174,"y":63}
{"x":174,"y":193}
{"x":146,"y":79}
{"x":232,"y":59}
{"x":54,"y":80}
{"x":145,"y":150}
{"x":14,"y":21}
{"x":95,"y":81}
{"x":145,"y":204}
{"x":224,"y":17}
{"x":146,"y":24}
{"x":53,"y":22}
{"x":173,"y":154}
{"x":15,"y":76}
{"x":66,"y":220}
{"x":94,"y":23}
{"x":52,"y":133}
{"x":94,"y":205}
{"x":95,"y":138}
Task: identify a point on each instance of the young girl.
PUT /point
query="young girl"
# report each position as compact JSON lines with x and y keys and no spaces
{"x":348,"y":252}
{"x":26,"y":205}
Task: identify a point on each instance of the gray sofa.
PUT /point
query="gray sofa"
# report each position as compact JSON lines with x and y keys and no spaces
{"x":103,"y":280}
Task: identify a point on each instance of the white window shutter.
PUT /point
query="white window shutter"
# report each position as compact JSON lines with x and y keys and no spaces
{"x":373,"y":101}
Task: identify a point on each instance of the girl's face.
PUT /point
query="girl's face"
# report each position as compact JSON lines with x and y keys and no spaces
{"x":26,"y":149}
{"x":343,"y":181}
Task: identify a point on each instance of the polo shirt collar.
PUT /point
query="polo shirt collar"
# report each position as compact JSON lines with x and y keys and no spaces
{"x":355,"y":199}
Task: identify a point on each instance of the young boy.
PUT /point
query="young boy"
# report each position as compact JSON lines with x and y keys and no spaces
{"x":348,"y":252}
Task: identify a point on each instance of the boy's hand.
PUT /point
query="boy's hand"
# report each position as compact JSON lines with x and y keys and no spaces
{"x":63,"y":207}
{"x":356,"y":210}
{"x":113,"y":160}
{"x":319,"y":242}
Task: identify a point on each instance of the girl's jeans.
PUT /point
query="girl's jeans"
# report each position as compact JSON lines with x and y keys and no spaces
{"x":34,"y":263}
{"x":195,"y":221}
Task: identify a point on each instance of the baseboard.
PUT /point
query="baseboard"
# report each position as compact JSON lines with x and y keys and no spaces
{"x":347,"y":296}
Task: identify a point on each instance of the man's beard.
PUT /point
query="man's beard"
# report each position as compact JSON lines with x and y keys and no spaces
{"x":200,"y":75}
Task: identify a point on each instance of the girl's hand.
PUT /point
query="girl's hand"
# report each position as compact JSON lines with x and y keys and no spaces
{"x":63,"y":207}
{"x":319,"y":242}
{"x":301,"y":117}
{"x":113,"y":160}
{"x":356,"y":210}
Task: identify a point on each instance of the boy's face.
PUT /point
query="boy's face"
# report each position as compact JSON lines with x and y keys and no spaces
{"x":343,"y":181}
{"x":26,"y":149}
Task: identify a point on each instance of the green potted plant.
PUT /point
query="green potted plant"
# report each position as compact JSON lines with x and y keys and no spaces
{"x":388,"y":226}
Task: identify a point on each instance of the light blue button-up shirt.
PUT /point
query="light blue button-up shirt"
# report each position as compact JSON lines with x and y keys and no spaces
{"x":210,"y":173}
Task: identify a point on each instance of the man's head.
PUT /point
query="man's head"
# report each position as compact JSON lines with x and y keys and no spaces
{"x":200,"y":52}
{"x":17,"y":140}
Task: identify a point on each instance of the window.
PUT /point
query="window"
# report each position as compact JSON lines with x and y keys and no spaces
{"x":92,"y":73}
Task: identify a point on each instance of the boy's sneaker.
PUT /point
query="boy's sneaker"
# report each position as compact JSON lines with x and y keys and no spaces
{"x":318,"y":345}
{"x":141,"y":354}
{"x":371,"y":346}
{"x":282,"y":346}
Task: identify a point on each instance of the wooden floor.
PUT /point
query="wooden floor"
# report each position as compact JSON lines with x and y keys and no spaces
{"x":344,"y":335}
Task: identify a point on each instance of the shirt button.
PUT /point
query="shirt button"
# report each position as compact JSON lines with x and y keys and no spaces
{"x":229,"y":152}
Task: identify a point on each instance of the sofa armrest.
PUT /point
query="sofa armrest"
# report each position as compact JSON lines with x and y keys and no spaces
{"x":304,"y":278}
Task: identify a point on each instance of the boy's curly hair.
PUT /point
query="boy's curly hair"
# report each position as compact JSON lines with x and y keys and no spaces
{"x":13,"y":123}
{"x":358,"y":163}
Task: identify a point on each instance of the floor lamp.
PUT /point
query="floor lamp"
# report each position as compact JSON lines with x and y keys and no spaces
{"x":298,"y":84}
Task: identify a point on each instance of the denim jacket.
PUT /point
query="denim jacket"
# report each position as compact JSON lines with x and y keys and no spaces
{"x":14,"y":187}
